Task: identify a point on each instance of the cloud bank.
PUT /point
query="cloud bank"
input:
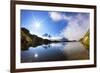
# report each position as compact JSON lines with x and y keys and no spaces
{"x":78,"y":24}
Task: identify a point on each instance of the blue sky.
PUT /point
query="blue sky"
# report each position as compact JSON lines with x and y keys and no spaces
{"x":57,"y":24}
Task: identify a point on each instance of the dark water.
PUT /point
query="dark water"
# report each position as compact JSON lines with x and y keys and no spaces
{"x":55,"y":52}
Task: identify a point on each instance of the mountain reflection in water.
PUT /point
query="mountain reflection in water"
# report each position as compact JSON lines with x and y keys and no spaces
{"x":55,"y":52}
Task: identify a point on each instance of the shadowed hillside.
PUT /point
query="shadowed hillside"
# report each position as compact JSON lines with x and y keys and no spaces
{"x":31,"y":40}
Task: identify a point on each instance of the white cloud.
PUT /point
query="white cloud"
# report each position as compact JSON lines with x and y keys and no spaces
{"x":55,"y":16}
{"x":77,"y":25}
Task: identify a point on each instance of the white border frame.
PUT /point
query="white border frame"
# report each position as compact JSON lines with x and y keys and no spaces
{"x":52,"y":64}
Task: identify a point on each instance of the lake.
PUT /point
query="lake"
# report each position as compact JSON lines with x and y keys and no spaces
{"x":62,"y":51}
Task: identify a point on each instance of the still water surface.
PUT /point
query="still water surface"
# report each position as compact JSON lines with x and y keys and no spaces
{"x":55,"y":52}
